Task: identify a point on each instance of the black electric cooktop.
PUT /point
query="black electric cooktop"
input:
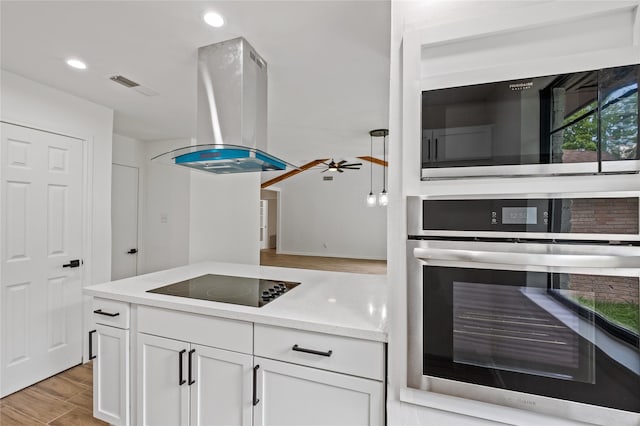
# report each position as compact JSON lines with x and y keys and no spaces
{"x":227,"y":289}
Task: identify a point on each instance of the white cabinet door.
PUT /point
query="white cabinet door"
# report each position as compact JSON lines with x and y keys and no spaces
{"x":294,"y":395}
{"x":163,"y":392}
{"x":221,"y":387}
{"x":111,"y":375}
{"x":41,"y":179}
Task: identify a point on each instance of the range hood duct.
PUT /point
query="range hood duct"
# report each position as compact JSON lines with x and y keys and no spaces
{"x":231,"y":113}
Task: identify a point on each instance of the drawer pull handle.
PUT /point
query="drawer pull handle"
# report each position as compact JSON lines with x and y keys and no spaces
{"x":99,"y":312}
{"x":311,"y":351}
{"x":181,"y":380}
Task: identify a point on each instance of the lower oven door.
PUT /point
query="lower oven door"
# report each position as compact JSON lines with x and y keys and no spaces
{"x":558,"y":321}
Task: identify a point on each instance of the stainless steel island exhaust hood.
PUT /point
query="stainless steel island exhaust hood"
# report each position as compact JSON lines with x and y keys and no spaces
{"x":231,"y":113}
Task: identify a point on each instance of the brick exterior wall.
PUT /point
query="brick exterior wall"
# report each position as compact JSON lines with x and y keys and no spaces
{"x":604,"y":215}
{"x":606,"y":289}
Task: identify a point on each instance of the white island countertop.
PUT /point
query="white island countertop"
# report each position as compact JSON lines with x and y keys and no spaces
{"x":346,"y":304}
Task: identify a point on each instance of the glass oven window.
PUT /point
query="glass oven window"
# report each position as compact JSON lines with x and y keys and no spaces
{"x":521,"y":329}
{"x":561,"y":335}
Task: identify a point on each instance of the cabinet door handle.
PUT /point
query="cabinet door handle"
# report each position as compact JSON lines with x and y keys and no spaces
{"x":109,"y":314}
{"x":311,"y":351}
{"x":428,"y":149}
{"x":181,"y":381}
{"x":91,"y":355}
{"x":255,"y":386}
{"x":435,"y":151}
{"x":191,"y":381}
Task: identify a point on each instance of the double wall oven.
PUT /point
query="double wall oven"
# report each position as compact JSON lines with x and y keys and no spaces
{"x":527,"y":301}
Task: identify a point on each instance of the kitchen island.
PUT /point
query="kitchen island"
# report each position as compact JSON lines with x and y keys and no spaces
{"x":313,"y":355}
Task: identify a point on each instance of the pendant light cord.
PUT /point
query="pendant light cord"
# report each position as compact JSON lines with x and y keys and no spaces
{"x":371,"y":164}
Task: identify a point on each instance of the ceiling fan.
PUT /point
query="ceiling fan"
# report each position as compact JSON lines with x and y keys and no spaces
{"x":338,"y":167}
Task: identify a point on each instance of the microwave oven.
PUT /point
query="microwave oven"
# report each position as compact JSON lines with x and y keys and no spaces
{"x":577,"y":123}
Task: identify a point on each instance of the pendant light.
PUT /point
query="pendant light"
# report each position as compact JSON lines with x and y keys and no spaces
{"x":371,"y":198}
{"x":383,"y":197}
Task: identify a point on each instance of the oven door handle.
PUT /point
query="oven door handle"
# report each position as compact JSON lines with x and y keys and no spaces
{"x":533,"y":259}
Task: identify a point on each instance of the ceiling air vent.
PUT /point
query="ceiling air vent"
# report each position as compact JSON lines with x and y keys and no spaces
{"x":130,"y":84}
{"x":327,"y":177}
{"x":124,"y":81}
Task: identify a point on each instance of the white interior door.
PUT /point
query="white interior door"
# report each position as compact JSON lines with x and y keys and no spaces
{"x":40,"y":299}
{"x":124,"y":222}
{"x":264,"y":220}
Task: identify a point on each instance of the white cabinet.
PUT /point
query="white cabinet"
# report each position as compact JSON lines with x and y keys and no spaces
{"x":198,"y":370}
{"x":317,"y":378}
{"x":181,"y":383}
{"x":294,"y":395}
{"x":463,"y":145}
{"x":109,"y":349}
{"x":183,"y":379}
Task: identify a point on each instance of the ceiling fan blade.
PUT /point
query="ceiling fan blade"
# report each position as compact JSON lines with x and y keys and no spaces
{"x":352,"y":164}
{"x":324,"y":170}
{"x":342,"y":162}
{"x":340,"y":170}
{"x":350,"y":168}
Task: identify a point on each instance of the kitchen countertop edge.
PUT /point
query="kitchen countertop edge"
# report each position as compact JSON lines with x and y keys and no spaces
{"x":374,"y":327}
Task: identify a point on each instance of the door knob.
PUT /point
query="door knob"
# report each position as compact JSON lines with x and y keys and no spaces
{"x":132,"y":251}
{"x":72,"y":264}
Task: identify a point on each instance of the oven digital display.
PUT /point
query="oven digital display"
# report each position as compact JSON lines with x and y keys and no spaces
{"x":520,"y":215}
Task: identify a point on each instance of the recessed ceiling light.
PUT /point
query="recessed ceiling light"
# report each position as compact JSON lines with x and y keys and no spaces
{"x":77,"y":63}
{"x":214,"y":19}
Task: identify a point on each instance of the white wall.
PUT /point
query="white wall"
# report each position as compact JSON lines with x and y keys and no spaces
{"x":471,"y":58}
{"x":331,"y":218}
{"x":128,"y":151}
{"x":33,"y":104}
{"x":165,"y":227}
{"x":191,"y":216}
{"x":225,"y":217}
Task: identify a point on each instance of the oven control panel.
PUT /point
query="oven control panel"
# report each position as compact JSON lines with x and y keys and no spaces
{"x":601,"y":217}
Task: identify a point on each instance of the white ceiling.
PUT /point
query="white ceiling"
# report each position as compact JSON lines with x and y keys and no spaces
{"x":328,"y":63}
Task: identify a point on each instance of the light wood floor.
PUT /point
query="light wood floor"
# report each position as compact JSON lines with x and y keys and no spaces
{"x":62,"y":400}
{"x":363,"y":266}
{"x":67,"y":399}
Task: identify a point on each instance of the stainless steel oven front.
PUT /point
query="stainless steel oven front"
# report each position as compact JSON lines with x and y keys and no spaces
{"x":528,"y":302}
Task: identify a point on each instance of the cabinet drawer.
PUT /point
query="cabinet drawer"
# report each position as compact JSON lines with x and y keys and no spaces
{"x":358,"y":357}
{"x":216,"y":332}
{"x":110,"y":312}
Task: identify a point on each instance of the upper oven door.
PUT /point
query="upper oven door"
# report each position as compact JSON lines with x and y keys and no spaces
{"x":593,"y":216}
{"x":559,"y":321}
